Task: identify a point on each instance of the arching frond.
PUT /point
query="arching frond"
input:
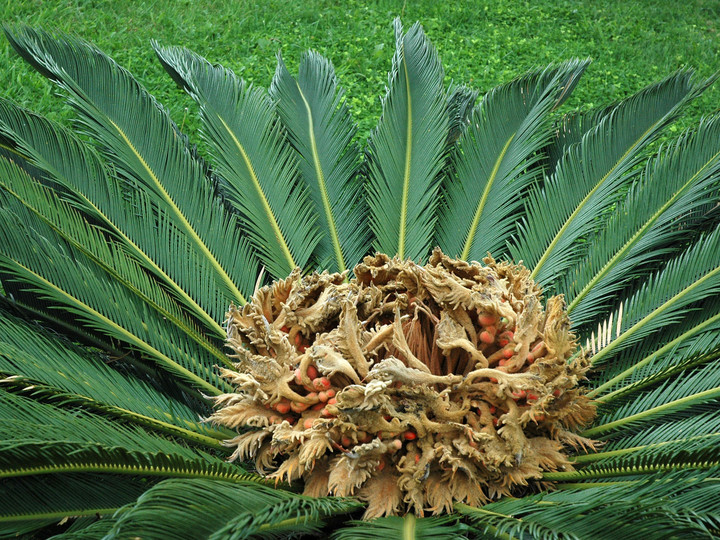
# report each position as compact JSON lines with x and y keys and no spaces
{"x":688,"y":390}
{"x":31,"y":357}
{"x":695,"y":341}
{"x":408,"y":528}
{"x":84,"y":237}
{"x":195,"y":508}
{"x":634,"y":510}
{"x":320,"y":127}
{"x":138,"y":137}
{"x":591,"y":177}
{"x":673,"y":445}
{"x":658,"y":213}
{"x":43,"y":440}
{"x":407,"y":150}
{"x":36,"y":258}
{"x":496,"y":160}
{"x":32,"y":503}
{"x":251,"y":155}
{"x":143,"y":229}
{"x":297,"y":515}
{"x":666,"y":297}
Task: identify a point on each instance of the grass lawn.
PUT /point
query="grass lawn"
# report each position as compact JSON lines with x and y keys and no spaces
{"x":481,"y":43}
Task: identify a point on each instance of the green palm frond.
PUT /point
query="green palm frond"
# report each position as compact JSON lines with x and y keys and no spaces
{"x":673,"y":445}
{"x":42,"y":439}
{"x":592,"y":176}
{"x":693,"y":342}
{"x":87,"y":239}
{"x":407,"y":150}
{"x":257,"y":168}
{"x":320,"y":127}
{"x":239,"y":511}
{"x":659,"y":210}
{"x":294,"y":516}
{"x":625,"y":510}
{"x":408,"y":528}
{"x":32,"y":503}
{"x":39,"y":260}
{"x":668,"y":295}
{"x":138,"y":137}
{"x":58,"y":156}
{"x":689,"y":390}
{"x":31,"y":357}
{"x":495,"y":161}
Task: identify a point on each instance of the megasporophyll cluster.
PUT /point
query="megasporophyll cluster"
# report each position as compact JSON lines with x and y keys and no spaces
{"x":411,"y":387}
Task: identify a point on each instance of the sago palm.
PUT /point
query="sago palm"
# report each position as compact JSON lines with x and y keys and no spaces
{"x":283,"y":337}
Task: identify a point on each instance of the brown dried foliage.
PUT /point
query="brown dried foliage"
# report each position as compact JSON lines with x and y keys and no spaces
{"x":412,"y":387}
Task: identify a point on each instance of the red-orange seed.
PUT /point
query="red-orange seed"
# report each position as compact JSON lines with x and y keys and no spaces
{"x":312,"y":372}
{"x":282,"y":407}
{"x":486,"y":319}
{"x":321,"y":383}
{"x":486,"y":337}
{"x":299,"y":407}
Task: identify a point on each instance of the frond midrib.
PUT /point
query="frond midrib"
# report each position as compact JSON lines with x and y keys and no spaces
{"x":481,"y":205}
{"x":408,"y":158}
{"x":320,"y":175}
{"x":610,"y":472}
{"x":258,"y":188}
{"x":129,"y":469}
{"x":676,"y":404}
{"x":181,"y":217}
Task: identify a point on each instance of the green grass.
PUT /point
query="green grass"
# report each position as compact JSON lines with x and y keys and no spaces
{"x":481,"y":43}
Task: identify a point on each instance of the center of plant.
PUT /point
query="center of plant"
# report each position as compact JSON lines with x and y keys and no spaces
{"x":411,"y":387}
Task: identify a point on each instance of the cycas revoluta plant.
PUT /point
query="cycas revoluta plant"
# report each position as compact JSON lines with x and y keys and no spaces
{"x":450,"y":397}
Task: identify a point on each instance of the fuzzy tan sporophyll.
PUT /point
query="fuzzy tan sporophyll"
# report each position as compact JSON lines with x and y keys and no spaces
{"x":411,"y":387}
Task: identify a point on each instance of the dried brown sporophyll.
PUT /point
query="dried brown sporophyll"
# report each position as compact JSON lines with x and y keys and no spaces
{"x":411,"y":387}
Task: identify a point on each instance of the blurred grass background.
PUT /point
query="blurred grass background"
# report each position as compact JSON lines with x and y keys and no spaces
{"x":481,"y":43}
